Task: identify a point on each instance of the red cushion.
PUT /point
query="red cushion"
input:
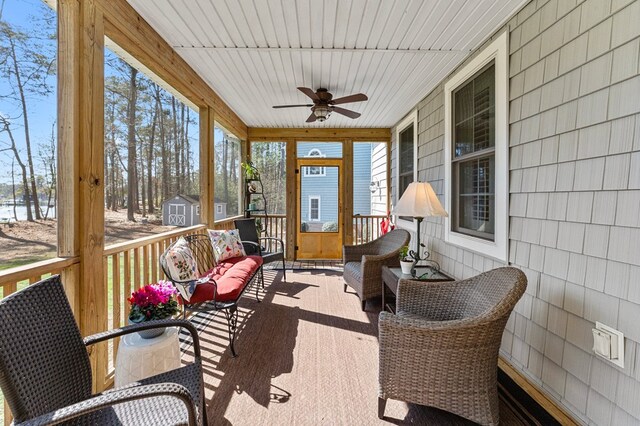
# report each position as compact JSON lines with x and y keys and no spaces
{"x":231,"y":275}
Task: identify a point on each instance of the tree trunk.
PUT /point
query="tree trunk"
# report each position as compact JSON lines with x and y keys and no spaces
{"x":176,"y":145}
{"x":163,"y":145}
{"x":27,"y":138}
{"x":13,"y":188}
{"x":188,"y":153}
{"x":23,"y":168}
{"x":132,"y":181}
{"x":150,"y":162}
{"x":225,"y":170}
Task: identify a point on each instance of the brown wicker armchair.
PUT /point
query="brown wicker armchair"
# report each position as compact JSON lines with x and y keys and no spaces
{"x":441,"y":348}
{"x":363,"y":263}
{"x":45,"y":373}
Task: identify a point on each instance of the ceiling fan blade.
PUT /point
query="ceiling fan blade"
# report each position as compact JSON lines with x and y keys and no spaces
{"x":311,"y":118}
{"x":358,"y":97}
{"x":346,"y":112}
{"x":310,"y":93}
{"x":293,"y":106}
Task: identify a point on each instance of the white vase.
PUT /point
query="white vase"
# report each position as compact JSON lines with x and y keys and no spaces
{"x":406,"y":267}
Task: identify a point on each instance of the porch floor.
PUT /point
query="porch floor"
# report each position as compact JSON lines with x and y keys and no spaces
{"x":307,"y":355}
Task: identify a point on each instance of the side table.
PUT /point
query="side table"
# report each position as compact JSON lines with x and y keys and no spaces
{"x":140,"y":358}
{"x":391,"y":277}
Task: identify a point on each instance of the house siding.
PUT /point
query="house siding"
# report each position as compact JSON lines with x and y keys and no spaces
{"x":379,"y":174}
{"x":326,"y":187}
{"x":574,"y":142}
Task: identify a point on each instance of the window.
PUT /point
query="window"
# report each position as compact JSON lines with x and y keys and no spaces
{"x":271,"y":159}
{"x":406,"y":161}
{"x":28,"y":145}
{"x":369,"y":178}
{"x":314,"y":208}
{"x":151,"y":141}
{"x":198,"y":210}
{"x":228,"y":155}
{"x":476,"y":141}
{"x":219,"y":209}
{"x":314,"y":171}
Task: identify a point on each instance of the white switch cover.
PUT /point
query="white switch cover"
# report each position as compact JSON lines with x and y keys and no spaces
{"x":608,"y":343}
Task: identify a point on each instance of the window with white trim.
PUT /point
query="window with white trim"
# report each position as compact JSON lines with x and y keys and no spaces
{"x":219,"y":209}
{"x":476,"y":153}
{"x":314,"y":208}
{"x":406,"y":161}
{"x":314,"y":171}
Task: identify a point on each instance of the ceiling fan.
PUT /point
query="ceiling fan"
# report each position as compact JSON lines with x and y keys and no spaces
{"x":324,"y":104}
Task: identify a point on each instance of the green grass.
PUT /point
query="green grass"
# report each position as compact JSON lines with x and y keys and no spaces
{"x":12,"y":263}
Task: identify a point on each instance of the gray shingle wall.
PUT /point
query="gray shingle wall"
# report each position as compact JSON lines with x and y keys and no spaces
{"x":574,"y":199}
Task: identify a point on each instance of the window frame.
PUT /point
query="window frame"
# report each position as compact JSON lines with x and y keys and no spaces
{"x":314,"y":197}
{"x":411,"y":118}
{"x":219,"y":208}
{"x":306,"y":169}
{"x":498,"y":52}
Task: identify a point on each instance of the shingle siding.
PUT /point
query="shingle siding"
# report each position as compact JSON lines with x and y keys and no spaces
{"x":574,"y":161}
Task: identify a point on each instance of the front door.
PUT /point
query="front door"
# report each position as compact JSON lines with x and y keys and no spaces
{"x":319,"y":183}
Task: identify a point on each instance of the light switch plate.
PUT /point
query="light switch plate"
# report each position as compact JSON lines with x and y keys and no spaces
{"x":617,"y":344}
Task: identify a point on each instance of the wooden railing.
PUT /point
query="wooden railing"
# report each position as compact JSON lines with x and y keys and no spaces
{"x":276,"y":226}
{"x":14,"y":279}
{"x":366,"y":228}
{"x":129,"y":266}
{"x":226,"y":224}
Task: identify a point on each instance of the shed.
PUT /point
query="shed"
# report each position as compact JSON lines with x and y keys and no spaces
{"x":184,"y":210}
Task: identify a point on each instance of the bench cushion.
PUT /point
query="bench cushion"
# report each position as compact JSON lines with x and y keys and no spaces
{"x":231,"y":275}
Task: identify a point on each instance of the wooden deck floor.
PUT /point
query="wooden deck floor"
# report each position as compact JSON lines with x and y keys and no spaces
{"x":307,"y":355}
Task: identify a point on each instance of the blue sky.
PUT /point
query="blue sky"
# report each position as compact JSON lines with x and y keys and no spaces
{"x":42,"y":110}
{"x":24,"y":16}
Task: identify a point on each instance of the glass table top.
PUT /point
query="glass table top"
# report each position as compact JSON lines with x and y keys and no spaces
{"x":422,"y":273}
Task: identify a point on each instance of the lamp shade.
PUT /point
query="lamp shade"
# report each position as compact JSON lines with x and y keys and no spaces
{"x":419,"y":200}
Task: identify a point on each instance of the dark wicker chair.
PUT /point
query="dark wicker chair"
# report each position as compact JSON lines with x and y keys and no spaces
{"x":271,"y":249}
{"x":441,"y":348}
{"x":45,"y":373}
{"x":363,"y":263}
{"x":200,"y":246}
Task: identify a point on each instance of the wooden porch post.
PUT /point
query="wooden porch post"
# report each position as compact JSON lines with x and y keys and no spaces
{"x":81,"y":166}
{"x":347,"y":214}
{"x":206,"y":167}
{"x":292,"y":202}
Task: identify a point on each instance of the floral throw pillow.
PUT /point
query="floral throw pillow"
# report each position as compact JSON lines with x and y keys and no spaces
{"x":182,"y":267}
{"x":226,"y":244}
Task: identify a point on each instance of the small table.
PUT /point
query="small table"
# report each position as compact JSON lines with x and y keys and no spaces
{"x":391,"y":277}
{"x":140,"y":358}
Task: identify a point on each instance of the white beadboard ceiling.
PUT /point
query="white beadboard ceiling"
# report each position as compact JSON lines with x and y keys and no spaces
{"x":254,"y":53}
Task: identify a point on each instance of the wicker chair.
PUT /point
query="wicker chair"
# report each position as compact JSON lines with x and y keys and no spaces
{"x":441,"y":348}
{"x":249,"y":233}
{"x":45,"y":374}
{"x":363,"y":263}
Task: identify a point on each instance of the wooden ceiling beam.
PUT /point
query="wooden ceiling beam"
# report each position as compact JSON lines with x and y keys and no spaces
{"x":132,"y":33}
{"x":327,"y":134}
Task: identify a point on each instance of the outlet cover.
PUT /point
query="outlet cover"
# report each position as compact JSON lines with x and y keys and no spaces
{"x":616,"y":351}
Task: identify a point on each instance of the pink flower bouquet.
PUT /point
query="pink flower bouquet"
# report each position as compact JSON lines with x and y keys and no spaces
{"x":153,"y":302}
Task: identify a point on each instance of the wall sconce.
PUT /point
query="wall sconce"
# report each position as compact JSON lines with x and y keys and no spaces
{"x":374,"y":186}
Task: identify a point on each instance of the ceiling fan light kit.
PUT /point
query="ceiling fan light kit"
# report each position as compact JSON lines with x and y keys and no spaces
{"x":324,"y":104}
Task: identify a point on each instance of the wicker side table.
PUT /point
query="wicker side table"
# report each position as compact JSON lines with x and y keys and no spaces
{"x":391,"y":277}
{"x":140,"y":358}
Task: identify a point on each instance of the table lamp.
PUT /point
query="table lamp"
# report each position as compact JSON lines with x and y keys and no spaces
{"x":418,"y":201}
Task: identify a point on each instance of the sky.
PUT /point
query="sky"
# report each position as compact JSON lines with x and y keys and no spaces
{"x":42,"y":110}
{"x":24,"y":15}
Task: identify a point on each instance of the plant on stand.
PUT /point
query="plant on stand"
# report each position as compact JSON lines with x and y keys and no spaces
{"x":250,"y":172}
{"x":406,"y":261}
{"x":153,"y":302}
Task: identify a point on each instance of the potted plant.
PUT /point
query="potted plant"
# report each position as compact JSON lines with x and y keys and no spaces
{"x":153,"y":302}
{"x":250,"y":172}
{"x":406,"y":261}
